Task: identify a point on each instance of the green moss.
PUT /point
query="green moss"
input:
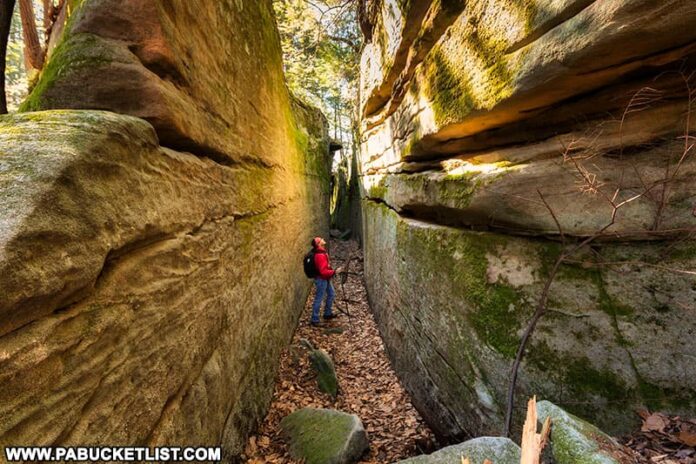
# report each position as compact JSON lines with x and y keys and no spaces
{"x":582,"y":377}
{"x":574,"y":441}
{"x":577,"y":373}
{"x":451,"y":97}
{"x":326,"y":374}
{"x":72,"y":55}
{"x":317,"y":435}
{"x":683,"y":251}
{"x":497,"y":308}
{"x":377,"y":191}
{"x":656,"y":398}
{"x":453,"y":88}
{"x":608,"y":304}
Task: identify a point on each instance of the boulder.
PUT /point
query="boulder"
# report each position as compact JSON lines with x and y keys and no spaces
{"x":147,"y":258}
{"x":452,"y":304}
{"x":148,"y":48}
{"x":499,"y":63}
{"x":495,"y":449}
{"x":326,"y":373}
{"x":325,"y":436}
{"x":491,"y":133}
{"x":574,"y":441}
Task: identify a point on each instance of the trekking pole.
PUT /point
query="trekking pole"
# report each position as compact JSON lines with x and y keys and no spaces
{"x":343,"y":279}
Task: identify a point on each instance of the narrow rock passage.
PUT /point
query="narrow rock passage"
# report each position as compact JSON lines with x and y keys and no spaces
{"x":368,"y":386}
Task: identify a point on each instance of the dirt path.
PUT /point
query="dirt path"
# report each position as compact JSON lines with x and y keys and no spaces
{"x":368,"y":386}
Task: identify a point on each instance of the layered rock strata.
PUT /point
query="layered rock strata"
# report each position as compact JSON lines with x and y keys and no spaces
{"x":149,"y":259}
{"x":496,"y":135}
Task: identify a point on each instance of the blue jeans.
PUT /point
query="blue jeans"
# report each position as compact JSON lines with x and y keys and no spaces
{"x":322,"y":286}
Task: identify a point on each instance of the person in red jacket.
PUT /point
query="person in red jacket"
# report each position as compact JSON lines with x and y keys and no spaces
{"x":322,"y":281}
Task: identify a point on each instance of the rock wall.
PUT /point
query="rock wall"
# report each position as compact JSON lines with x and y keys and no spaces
{"x":497,"y":134}
{"x":345,"y":203}
{"x":149,"y":260}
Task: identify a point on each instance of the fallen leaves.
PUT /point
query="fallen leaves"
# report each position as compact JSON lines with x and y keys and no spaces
{"x":370,"y":389}
{"x":664,"y":439}
{"x":368,"y":386}
{"x":654,"y":423}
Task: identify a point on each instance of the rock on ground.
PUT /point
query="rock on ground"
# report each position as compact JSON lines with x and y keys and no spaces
{"x":149,"y":267}
{"x":325,"y":436}
{"x":492,"y":131}
{"x":326,"y":373}
{"x":574,"y":441}
{"x":496,"y":449}
{"x":369,"y":386}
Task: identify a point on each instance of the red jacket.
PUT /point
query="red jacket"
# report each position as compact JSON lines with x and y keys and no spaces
{"x":321,"y":261}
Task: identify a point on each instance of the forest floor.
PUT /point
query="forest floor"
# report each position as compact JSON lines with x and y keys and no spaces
{"x":368,"y":387}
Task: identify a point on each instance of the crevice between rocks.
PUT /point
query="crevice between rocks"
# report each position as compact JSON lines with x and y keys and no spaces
{"x":442,"y":216}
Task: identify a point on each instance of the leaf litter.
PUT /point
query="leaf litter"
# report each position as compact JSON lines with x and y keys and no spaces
{"x":663,"y":439}
{"x":368,"y":386}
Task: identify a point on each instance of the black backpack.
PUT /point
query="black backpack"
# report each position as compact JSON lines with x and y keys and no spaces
{"x":310,"y":268}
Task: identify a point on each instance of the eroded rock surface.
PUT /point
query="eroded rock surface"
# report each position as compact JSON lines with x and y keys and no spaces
{"x":148,"y":267}
{"x":492,"y":132}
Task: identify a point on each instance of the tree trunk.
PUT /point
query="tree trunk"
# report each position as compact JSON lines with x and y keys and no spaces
{"x":47,"y":13}
{"x":33,"y":51}
{"x":6,"y":9}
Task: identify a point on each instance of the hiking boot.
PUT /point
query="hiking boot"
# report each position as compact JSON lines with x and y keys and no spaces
{"x":315,"y":323}
{"x":330,"y":316}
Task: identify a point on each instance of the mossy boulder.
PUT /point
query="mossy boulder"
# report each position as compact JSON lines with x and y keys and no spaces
{"x":575,"y":441}
{"x":131,"y":58}
{"x":326,"y":373}
{"x":496,"y":449}
{"x":325,"y":436}
{"x":130,"y":275}
{"x":511,"y":127}
{"x":504,"y":195}
{"x":113,"y":251}
{"x":452,"y":304}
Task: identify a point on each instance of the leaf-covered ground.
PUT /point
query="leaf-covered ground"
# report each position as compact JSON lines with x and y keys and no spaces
{"x":370,"y":389}
{"x":663,"y":439}
{"x":368,"y":386}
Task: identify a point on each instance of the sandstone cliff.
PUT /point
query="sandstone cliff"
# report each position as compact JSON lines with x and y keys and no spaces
{"x":149,"y":260}
{"x":491,"y":132}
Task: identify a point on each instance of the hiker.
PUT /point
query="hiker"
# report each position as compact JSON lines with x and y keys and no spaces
{"x":322,"y":281}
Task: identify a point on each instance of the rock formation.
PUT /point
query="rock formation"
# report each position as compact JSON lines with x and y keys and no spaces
{"x":325,"y":436}
{"x":149,"y":251}
{"x":492,"y":133}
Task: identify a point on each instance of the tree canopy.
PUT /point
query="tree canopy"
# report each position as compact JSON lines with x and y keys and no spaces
{"x":321,"y":44}
{"x":17,"y":76}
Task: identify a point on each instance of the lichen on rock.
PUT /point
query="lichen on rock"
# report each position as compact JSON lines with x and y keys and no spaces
{"x":477,"y":451}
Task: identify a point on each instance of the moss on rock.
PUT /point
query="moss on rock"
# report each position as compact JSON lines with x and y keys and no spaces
{"x":324,"y":436}
{"x":478,"y":451}
{"x":573,"y":440}
{"x":326,"y":373}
